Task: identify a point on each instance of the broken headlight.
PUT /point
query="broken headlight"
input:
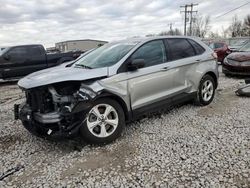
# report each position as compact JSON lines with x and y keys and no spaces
{"x":86,"y":94}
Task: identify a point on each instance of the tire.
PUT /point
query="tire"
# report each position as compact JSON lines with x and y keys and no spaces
{"x":205,"y":95}
{"x":101,"y":128}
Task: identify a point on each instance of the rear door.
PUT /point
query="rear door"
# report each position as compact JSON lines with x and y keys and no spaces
{"x":184,"y":57}
{"x":36,"y":59}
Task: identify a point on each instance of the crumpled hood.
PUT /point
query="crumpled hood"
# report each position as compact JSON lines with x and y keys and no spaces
{"x":60,"y":74}
{"x":239,"y":56}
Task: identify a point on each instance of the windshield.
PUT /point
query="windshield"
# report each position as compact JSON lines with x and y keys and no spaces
{"x":237,"y":42}
{"x":3,"y":50}
{"x":245,"y":48}
{"x":105,"y":56}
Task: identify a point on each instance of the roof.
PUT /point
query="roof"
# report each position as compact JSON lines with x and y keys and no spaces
{"x":82,"y":40}
{"x":145,"y":39}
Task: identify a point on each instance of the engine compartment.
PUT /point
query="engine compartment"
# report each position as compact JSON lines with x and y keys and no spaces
{"x":57,"y":108}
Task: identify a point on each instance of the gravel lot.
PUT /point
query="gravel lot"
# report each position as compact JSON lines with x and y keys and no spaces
{"x":187,"y":146}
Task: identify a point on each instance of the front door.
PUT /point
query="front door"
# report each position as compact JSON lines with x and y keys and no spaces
{"x":153,"y":83}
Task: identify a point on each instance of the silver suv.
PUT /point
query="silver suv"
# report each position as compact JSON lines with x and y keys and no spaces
{"x":114,"y":84}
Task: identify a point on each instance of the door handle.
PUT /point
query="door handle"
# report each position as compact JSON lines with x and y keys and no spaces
{"x":164,"y":68}
{"x":198,"y":60}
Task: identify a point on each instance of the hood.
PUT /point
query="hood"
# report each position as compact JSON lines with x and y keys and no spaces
{"x":239,"y":56}
{"x":60,"y":74}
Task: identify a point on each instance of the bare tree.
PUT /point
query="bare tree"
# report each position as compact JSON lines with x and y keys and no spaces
{"x":246,"y":26}
{"x":236,"y":27}
{"x":201,"y":26}
{"x":175,"y":31}
{"x":225,"y":32}
{"x":214,"y":35}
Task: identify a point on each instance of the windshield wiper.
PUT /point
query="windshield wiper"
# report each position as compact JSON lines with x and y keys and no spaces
{"x":83,"y":66}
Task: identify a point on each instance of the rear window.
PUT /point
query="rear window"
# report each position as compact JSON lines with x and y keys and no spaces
{"x":198,"y":48}
{"x":35,"y":51}
{"x":180,"y":48}
{"x":218,"y":45}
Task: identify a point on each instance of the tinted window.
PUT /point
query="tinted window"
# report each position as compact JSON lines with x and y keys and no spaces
{"x":180,"y":48}
{"x":218,"y":45}
{"x":198,"y":48}
{"x":35,"y":51}
{"x":152,"y":52}
{"x":17,"y":52}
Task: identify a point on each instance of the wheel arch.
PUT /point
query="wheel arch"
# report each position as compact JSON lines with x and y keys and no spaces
{"x":127,"y":113}
{"x":213,"y":75}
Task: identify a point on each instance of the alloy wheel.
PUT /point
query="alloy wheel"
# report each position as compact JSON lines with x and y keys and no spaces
{"x":102,"y":120}
{"x":207,"y":90}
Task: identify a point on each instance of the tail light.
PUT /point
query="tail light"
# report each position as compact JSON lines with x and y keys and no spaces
{"x":214,"y":54}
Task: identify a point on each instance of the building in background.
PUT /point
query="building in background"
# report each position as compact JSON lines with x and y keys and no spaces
{"x":82,"y":45}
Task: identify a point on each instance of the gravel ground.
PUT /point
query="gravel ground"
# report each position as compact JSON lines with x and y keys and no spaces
{"x":186,"y":146}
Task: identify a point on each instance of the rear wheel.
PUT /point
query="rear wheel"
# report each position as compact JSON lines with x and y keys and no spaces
{"x":206,"y":91}
{"x":104,"y":122}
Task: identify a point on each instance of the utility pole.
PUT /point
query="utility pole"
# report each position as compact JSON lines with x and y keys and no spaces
{"x":191,"y":20}
{"x":185,"y":18}
{"x":171,"y":28}
{"x":186,"y":11}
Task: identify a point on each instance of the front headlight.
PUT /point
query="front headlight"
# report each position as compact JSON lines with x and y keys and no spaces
{"x":245,"y":63}
{"x":231,"y":62}
{"x":86,"y":94}
{"x":225,"y":61}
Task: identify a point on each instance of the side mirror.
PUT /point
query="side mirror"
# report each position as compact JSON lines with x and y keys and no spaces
{"x":136,"y":64}
{"x":6,"y":56}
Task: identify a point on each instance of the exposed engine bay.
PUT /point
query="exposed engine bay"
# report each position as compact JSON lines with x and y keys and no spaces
{"x":57,"y":108}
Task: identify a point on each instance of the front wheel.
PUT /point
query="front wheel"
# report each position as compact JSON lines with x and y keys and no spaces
{"x":104,"y":122}
{"x":206,"y":91}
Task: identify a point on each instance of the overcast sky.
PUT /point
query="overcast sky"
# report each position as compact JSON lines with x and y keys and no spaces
{"x":50,"y":21}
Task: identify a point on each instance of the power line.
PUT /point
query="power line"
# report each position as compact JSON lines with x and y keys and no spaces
{"x":233,"y":10}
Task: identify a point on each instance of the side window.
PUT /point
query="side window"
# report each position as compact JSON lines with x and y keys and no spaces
{"x":198,"y":48}
{"x":35,"y":51}
{"x":17,"y":52}
{"x":180,"y":48}
{"x":152,"y":52}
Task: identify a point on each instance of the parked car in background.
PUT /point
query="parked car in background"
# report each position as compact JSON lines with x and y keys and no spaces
{"x":18,"y":61}
{"x":221,"y":49}
{"x":117,"y":83}
{"x":238,"y":63}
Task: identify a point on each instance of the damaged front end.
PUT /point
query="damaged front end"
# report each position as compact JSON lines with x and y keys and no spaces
{"x":56,"y":110}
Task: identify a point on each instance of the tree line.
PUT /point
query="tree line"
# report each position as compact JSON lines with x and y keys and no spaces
{"x":201,"y":27}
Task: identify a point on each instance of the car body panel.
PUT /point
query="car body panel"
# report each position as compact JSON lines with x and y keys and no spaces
{"x":60,"y":74}
{"x":237,"y":63}
{"x":240,"y":56}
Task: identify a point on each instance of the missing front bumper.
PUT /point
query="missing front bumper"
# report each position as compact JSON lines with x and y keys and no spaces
{"x":49,"y":125}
